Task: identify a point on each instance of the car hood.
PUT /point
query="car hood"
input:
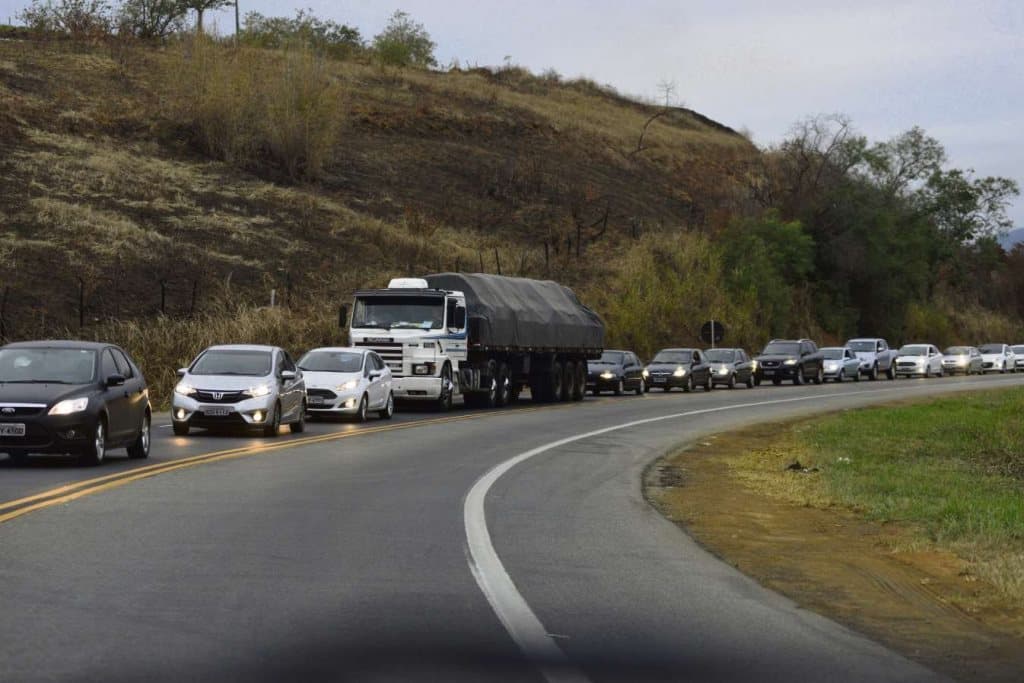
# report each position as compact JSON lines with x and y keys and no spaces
{"x":328,"y":380}
{"x":913,"y":358}
{"x":866,"y":355}
{"x":604,"y":367}
{"x":227,"y":382}
{"x":666,"y":367}
{"x":12,"y":392}
{"x":991,"y":357}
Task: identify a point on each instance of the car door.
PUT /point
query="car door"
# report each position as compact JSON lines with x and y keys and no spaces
{"x":742,"y":366}
{"x":851,"y":364}
{"x":385,"y":377}
{"x":633,"y":370}
{"x":701,"y":370}
{"x":134,"y":385}
{"x":375,"y":381}
{"x":119,"y":418}
{"x":294,"y":389}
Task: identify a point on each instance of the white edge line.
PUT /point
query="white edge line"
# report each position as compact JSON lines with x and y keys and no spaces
{"x":493,"y":579}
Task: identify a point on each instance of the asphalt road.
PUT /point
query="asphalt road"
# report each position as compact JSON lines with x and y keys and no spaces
{"x":512,"y":545}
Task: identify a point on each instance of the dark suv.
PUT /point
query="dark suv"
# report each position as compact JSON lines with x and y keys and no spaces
{"x":794,"y":359}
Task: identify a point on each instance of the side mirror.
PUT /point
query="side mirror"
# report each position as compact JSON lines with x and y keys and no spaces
{"x":343,"y":317}
{"x":376,"y":374}
{"x":115,"y":380}
{"x":288,"y":375}
{"x":182,"y":372}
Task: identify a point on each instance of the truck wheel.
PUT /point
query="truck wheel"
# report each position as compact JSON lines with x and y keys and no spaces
{"x":502,"y":388}
{"x":891,"y":372}
{"x":581,"y":381}
{"x":444,"y":401}
{"x":873,"y":375}
{"x":554,"y":387}
{"x":568,"y":381}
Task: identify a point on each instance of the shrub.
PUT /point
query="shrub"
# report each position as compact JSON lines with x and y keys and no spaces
{"x":80,"y":19}
{"x":405,"y":42}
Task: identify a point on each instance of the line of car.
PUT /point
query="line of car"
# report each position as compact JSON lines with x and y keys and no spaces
{"x":86,"y":398}
{"x":799,"y":361}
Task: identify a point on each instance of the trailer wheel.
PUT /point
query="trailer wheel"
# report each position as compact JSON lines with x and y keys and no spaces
{"x":554,"y":388}
{"x":503,"y":390}
{"x":581,"y":381}
{"x":568,"y":381}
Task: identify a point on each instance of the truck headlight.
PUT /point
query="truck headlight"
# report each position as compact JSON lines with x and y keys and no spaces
{"x":258,"y":391}
{"x":423,"y":369}
{"x":69,"y":406}
{"x":680,"y":372}
{"x":185,"y":389}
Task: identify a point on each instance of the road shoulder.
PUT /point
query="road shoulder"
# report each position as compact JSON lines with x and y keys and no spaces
{"x":919,"y":600}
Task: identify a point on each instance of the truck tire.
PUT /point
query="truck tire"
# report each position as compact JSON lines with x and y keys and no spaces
{"x":873,"y":375}
{"x":568,"y":381}
{"x":580,"y":390}
{"x":444,"y":401}
{"x":503,"y":388}
{"x":552,"y":388}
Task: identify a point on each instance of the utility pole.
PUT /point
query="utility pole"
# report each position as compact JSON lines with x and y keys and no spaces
{"x":237,"y":24}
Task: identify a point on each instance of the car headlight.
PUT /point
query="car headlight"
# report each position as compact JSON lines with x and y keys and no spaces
{"x":258,"y":391}
{"x":723,"y":371}
{"x":645,"y":373}
{"x":791,"y":361}
{"x":69,"y":406}
{"x":607,"y":375}
{"x":185,"y":389}
{"x":347,"y":386}
{"x":753,"y":365}
{"x":680,"y":372}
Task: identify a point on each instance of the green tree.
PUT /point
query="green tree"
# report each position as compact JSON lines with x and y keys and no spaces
{"x":405,"y":42}
{"x":151,"y":19}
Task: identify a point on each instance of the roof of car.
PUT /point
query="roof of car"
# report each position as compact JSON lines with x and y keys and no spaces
{"x":338,"y":349}
{"x":685,"y":350}
{"x":242,"y":347}
{"x":833,"y":348}
{"x":59,"y":344}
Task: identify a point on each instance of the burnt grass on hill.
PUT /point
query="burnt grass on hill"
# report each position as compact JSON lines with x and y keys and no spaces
{"x":108,"y":193}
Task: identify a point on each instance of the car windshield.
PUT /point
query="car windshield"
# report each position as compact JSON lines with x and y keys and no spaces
{"x":399,"y":312}
{"x":914,"y":350}
{"x":781,"y":349}
{"x":610,"y":358}
{"x":862,"y":346}
{"x":52,"y":366}
{"x":833,"y":353}
{"x":956,"y":351}
{"x":721,"y":355}
{"x":332,"y":361}
{"x":673,"y":357}
{"x":1018,"y":349}
{"x":232,"y":362}
{"x":991,"y":348}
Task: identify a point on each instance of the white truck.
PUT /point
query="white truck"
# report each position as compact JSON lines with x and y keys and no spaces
{"x":875,"y":357}
{"x":484,"y":337}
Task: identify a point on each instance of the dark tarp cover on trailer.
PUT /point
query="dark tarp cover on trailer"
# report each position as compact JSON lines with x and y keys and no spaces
{"x":521,"y":313}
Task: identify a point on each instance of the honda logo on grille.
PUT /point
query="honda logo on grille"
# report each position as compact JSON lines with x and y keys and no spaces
{"x":7,"y":411}
{"x":217,"y":395}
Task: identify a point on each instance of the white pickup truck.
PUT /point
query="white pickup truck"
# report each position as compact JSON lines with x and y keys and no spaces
{"x":876,"y":358}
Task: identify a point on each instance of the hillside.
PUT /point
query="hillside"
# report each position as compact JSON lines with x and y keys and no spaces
{"x":430,"y":170}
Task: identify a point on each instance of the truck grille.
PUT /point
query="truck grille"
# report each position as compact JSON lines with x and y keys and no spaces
{"x":389,"y":352}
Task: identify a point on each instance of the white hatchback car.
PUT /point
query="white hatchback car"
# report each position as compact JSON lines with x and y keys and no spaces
{"x":919,"y":359}
{"x":998,"y":358}
{"x":1018,"y":352}
{"x":347,"y":381}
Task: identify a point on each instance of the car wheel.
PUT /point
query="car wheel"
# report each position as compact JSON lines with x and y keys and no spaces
{"x":856,"y":375}
{"x":388,"y":411}
{"x":140,"y":447}
{"x":840,"y":376}
{"x":299,"y":425}
{"x":361,"y":411}
{"x":751,"y":382}
{"x":873,"y":375}
{"x":273,"y":426}
{"x":180,"y":428}
{"x":732,"y":381}
{"x":800,"y":380}
{"x":96,"y":451}
{"x":641,"y":388}
{"x":620,"y":388}
{"x":891,"y":372}
{"x":820,"y":377}
{"x":709,"y":383}
{"x":688,"y":387}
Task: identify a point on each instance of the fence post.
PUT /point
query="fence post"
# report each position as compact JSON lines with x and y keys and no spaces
{"x":163,"y":297}
{"x":497,"y":260}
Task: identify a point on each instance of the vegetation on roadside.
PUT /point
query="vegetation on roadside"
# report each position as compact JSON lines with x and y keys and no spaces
{"x":952,"y":469}
{"x":151,"y":171}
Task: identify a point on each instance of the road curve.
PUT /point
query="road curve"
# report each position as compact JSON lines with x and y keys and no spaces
{"x":347,"y":557}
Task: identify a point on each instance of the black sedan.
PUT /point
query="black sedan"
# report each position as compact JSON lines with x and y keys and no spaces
{"x":731,"y":367}
{"x":617,"y":371}
{"x":71,"y":397}
{"x":683,"y":368}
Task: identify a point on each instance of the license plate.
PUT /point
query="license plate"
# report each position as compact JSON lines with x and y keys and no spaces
{"x":316,"y":400}
{"x":216,"y":412}
{"x":658,"y":380}
{"x":12,"y":429}
{"x":769,"y":373}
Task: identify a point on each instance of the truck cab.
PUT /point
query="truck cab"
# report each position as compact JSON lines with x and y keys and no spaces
{"x":418,"y":331}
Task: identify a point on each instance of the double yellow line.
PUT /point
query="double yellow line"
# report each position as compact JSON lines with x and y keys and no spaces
{"x":64,"y":494}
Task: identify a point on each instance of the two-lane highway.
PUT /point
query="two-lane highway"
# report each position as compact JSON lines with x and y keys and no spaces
{"x":513,"y":545}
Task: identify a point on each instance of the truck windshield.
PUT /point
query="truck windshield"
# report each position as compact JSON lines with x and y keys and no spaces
{"x":862,"y":346}
{"x":398,"y":312}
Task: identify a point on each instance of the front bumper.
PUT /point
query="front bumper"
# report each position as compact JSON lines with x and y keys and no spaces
{"x":185,"y":409}
{"x":778,"y":372}
{"x":416,"y":388}
{"x":831,"y":373}
{"x":667,"y":380}
{"x":50,"y":434}
{"x":603,"y":384}
{"x":911,"y":370}
{"x":329,"y":402}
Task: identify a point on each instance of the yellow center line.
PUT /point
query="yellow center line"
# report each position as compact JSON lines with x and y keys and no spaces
{"x":70,"y":492}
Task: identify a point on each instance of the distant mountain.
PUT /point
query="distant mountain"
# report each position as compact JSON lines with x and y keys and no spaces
{"x":1011,"y":238}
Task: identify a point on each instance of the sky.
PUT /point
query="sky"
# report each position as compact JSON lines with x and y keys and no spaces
{"x":954,"y":68}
